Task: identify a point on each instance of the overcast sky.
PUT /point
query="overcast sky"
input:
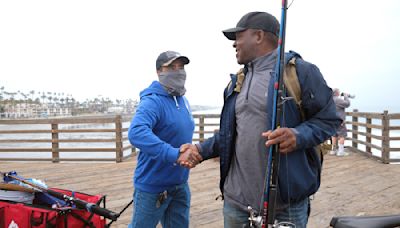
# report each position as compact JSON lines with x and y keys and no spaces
{"x":91,"y":48}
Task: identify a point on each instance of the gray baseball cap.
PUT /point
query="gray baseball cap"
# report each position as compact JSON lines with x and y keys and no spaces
{"x":166,"y":58}
{"x":254,"y":20}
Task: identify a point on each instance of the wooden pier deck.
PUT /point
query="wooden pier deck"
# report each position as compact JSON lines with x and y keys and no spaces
{"x":352,"y":185}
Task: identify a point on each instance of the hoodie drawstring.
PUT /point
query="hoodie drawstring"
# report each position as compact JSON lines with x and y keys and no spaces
{"x":176,"y":102}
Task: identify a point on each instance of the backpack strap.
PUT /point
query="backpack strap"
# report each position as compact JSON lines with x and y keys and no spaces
{"x":292,"y":84}
{"x":239,"y":80}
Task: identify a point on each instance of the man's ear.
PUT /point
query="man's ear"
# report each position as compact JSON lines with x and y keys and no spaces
{"x":260,"y":36}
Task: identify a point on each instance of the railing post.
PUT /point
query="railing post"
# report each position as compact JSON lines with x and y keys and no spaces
{"x":55,"y":146}
{"x":354,"y":129}
{"x":385,"y":140}
{"x":118,"y":139}
{"x":368,"y":138}
{"x":201,"y":128}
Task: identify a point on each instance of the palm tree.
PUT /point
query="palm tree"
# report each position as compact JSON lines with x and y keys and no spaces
{"x":50,"y":98}
{"x":1,"y":94}
{"x":12,"y":99}
{"x":62,"y":101}
{"x":56,"y":99}
{"x":43,"y":97}
{"x":1,"y":91}
{"x":32,"y":92}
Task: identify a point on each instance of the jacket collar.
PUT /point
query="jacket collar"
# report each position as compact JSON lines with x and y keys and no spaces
{"x":264,"y":62}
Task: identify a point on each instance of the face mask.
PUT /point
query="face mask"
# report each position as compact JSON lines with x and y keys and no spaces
{"x":173,"y":82}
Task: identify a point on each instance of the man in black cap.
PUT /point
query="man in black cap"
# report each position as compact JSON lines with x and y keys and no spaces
{"x":162,"y":123}
{"x":245,"y":126}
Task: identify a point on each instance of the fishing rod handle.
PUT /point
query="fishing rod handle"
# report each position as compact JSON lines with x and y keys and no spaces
{"x":91,"y":207}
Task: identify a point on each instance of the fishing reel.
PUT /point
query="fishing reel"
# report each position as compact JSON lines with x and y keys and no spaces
{"x":256,"y":221}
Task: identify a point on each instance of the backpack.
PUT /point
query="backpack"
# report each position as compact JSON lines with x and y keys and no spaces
{"x":292,"y":85}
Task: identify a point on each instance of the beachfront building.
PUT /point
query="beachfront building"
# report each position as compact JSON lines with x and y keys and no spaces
{"x":32,"y":110}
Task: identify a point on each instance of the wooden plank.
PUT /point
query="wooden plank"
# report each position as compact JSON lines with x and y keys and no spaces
{"x":354,"y":129}
{"x":24,"y":131}
{"x":201,"y":128}
{"x":87,"y":150}
{"x":366,"y":144}
{"x":373,"y":126}
{"x":118,"y":139}
{"x":25,"y":149}
{"x":25,"y":140}
{"x":208,"y":124}
{"x":61,"y":159}
{"x":26,"y":121}
{"x":86,"y":130}
{"x":207,"y":116}
{"x":60,"y":121}
{"x":385,"y":142}
{"x":55,"y":146}
{"x":366,"y":134}
{"x":394,"y":116}
{"x":25,"y":159}
{"x":87,"y":159}
{"x":203,"y":132}
{"x":55,"y":140}
{"x":86,"y":140}
{"x":372,"y":115}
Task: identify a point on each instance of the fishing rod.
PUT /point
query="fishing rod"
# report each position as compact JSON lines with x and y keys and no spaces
{"x":271,"y":190}
{"x":80,"y":204}
{"x":267,"y":215}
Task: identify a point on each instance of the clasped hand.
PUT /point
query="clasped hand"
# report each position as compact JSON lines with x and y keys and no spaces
{"x":284,"y":137}
{"x":189,"y":156}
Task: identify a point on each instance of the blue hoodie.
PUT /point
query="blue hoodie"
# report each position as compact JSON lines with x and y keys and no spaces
{"x":162,"y":123}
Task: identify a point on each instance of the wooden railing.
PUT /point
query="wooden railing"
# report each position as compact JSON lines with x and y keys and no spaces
{"x":206,"y":125}
{"x":49,"y":139}
{"x":372,"y":134}
{"x":65,"y":135}
{"x":375,"y":134}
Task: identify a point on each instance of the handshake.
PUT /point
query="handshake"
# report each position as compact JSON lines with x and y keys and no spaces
{"x":189,"y":156}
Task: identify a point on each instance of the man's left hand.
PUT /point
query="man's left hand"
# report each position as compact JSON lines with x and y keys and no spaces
{"x":284,"y":137}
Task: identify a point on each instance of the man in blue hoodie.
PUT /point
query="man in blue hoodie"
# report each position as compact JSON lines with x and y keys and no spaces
{"x":163,"y":123}
{"x":244,"y":136}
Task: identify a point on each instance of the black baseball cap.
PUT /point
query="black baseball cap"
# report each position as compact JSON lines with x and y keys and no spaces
{"x":254,"y":20}
{"x":166,"y":58}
